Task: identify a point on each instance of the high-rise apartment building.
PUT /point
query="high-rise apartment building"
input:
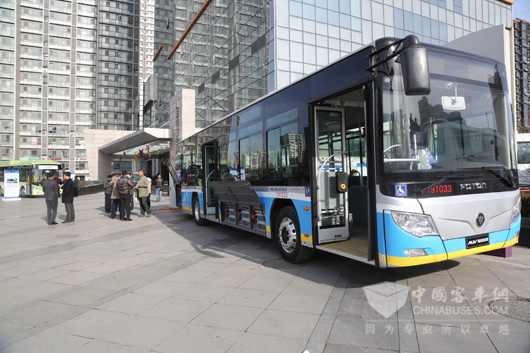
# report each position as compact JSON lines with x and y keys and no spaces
{"x":239,"y":51}
{"x":522,"y":53}
{"x":66,"y":66}
{"x":118,"y":63}
{"x":48,"y":72}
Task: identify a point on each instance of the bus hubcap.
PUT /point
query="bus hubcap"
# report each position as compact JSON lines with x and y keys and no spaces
{"x":287,"y":235}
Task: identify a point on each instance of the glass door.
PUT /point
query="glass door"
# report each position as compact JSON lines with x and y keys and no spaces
{"x":331,"y":176}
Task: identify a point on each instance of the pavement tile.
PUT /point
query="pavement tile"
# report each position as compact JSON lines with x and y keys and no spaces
{"x":303,"y":296}
{"x":204,"y":293}
{"x":228,"y":316}
{"x":225,"y":279}
{"x":8,"y":330}
{"x":249,"y":297}
{"x":94,"y":346}
{"x":177,"y":309}
{"x":132,"y":303}
{"x":266,"y":283}
{"x":119,"y":328}
{"x":32,"y":288}
{"x":285,"y":324}
{"x":163,"y":288}
{"x":48,"y":341}
{"x":187,"y":276}
{"x":512,"y":342}
{"x":77,"y":278}
{"x":83,"y":296}
{"x":195,"y":339}
{"x":37,"y":313}
{"x":431,"y":338}
{"x":260,"y":343}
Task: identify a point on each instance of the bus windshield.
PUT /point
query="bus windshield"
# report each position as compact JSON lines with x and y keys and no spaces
{"x":463,"y":125}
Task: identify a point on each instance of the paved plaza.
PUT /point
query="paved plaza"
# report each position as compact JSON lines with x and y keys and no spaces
{"x":163,"y":284}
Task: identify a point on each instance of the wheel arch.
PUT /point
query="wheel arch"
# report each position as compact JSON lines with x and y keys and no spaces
{"x":277,"y":205}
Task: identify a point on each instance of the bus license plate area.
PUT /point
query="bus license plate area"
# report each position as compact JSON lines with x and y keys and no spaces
{"x":477,"y":240}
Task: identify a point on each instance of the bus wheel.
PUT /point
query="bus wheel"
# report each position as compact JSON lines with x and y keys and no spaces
{"x":22,"y":191}
{"x":197,"y":212}
{"x":288,"y":237}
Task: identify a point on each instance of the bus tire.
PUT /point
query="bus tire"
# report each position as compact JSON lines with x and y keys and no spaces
{"x":197,"y":212}
{"x":288,"y":237}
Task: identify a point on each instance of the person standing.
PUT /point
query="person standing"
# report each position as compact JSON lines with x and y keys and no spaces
{"x":68,"y":197}
{"x":114,"y":197}
{"x":143,"y":194}
{"x":51,"y":194}
{"x":108,"y":193}
{"x":133,"y":191}
{"x":124,"y":186}
{"x":77,"y":184}
{"x":159,"y":186}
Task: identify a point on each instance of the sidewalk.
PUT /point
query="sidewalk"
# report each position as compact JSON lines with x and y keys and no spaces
{"x":163,"y":284}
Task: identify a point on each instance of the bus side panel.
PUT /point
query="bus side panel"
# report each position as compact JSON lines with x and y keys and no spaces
{"x":186,"y":196}
{"x":304,"y":217}
{"x":306,"y":223}
{"x":397,"y":240}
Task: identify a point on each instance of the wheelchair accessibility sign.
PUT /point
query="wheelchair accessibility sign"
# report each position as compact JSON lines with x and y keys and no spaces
{"x":401,"y":190}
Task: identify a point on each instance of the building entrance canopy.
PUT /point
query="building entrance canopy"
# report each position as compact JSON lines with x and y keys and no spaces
{"x":139,"y":138}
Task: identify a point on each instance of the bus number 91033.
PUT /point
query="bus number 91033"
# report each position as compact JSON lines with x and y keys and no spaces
{"x":440,"y":189}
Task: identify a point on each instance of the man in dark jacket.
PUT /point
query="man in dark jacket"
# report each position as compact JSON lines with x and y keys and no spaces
{"x":68,"y":197}
{"x":108,"y":192}
{"x":51,"y":193}
{"x":124,"y":186}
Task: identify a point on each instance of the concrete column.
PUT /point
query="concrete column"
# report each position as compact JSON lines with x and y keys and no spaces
{"x":99,"y":164}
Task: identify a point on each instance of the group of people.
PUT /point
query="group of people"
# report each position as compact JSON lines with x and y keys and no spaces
{"x":50,"y":187}
{"x":119,"y":194}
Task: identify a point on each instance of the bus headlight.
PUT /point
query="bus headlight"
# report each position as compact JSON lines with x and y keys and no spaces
{"x":416,"y":224}
{"x":516,"y":211}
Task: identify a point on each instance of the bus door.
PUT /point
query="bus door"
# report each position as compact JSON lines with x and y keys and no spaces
{"x":210,"y":163}
{"x":331,"y":176}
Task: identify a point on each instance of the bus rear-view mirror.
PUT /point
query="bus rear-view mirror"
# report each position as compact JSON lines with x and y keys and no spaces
{"x":415,"y":68}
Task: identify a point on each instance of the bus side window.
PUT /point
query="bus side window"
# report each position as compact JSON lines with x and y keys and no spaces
{"x":273,"y":154}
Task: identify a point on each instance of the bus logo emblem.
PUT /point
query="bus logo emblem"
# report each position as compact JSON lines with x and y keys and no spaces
{"x":401,"y":190}
{"x":480,"y":219}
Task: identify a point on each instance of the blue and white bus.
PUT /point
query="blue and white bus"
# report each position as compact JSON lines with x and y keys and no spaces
{"x":399,"y":154}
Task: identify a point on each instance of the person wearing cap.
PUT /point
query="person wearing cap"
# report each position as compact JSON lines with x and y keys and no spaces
{"x":68,"y":197}
{"x":108,"y":193}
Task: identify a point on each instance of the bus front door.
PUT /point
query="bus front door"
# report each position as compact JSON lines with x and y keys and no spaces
{"x":331,"y":179}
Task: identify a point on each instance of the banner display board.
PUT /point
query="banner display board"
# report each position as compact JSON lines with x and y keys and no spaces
{"x":11,"y":185}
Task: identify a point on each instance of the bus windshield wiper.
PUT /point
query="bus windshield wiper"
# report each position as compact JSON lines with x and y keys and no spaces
{"x":441,"y":179}
{"x":508,"y":181}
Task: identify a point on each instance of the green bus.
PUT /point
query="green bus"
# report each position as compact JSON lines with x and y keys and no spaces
{"x":32,"y":173}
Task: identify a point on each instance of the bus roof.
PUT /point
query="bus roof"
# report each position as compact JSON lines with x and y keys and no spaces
{"x":27,"y":163}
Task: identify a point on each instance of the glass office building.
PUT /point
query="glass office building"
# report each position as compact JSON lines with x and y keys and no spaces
{"x":241,"y":50}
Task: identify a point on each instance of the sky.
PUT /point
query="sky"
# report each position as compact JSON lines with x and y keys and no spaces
{"x":521,"y":9}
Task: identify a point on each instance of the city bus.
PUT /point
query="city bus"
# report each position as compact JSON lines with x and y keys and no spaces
{"x":31,"y":174}
{"x":399,"y":154}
